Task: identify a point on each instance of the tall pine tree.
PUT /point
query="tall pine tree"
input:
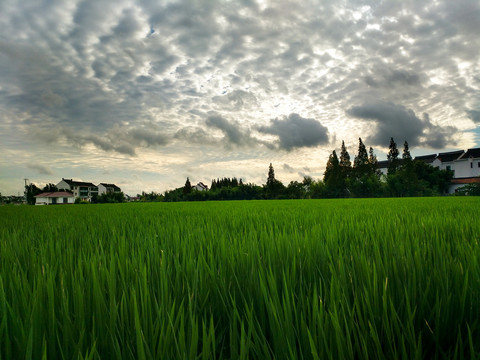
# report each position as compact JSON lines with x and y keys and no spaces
{"x":271,"y":176}
{"x":392,"y":156}
{"x":345,"y":163}
{"x":360,"y":164}
{"x":406,"y":152}
{"x":187,"y":189}
{"x":333,"y":178}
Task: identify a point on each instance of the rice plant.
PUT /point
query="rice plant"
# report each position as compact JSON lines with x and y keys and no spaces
{"x":326,"y":279}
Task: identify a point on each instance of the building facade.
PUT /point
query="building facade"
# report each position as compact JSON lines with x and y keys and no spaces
{"x":464,"y":164}
{"x":54,"y":198}
{"x":80,"y":189}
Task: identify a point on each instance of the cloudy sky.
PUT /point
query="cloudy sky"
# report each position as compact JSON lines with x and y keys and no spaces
{"x":145,"y":93}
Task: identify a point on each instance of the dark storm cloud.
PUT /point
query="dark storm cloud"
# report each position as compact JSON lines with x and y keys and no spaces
{"x":397,"y":121}
{"x":474,"y":115}
{"x":296,"y":132}
{"x":233,"y":132}
{"x":41,"y":169}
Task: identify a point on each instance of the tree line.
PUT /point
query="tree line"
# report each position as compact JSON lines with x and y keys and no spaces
{"x":343,"y":178}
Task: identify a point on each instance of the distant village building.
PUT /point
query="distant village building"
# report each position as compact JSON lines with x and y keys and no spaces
{"x":200,"y":187}
{"x":80,"y":189}
{"x":104,"y":188}
{"x":86,"y":190}
{"x":464,"y":164}
{"x":54,"y":198}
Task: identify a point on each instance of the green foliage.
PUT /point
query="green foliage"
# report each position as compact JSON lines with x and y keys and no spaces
{"x":334,"y":178}
{"x":392,"y":157}
{"x":187,"y":188}
{"x":416,"y":178}
{"x":406,"y":152}
{"x":109,"y":198}
{"x":151,"y":196}
{"x":360,"y":164}
{"x":225,"y":182}
{"x":469,"y":190}
{"x":316,"y":279}
{"x":273,"y":189}
{"x":30,"y":191}
{"x":345,"y":163}
{"x":50,"y":188}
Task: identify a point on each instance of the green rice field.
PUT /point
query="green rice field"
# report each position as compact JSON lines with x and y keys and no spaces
{"x":298,"y":279}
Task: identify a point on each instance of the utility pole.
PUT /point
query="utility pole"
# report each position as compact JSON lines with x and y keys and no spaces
{"x":25,"y":191}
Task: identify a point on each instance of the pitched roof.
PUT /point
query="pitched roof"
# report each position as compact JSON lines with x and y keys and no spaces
{"x":426,"y":158}
{"x":450,"y":156}
{"x":474,"y":153}
{"x":55,"y":194}
{"x":115,"y":187}
{"x":78,"y":183}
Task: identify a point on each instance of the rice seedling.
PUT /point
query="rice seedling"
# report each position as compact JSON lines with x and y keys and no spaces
{"x":326,"y":279}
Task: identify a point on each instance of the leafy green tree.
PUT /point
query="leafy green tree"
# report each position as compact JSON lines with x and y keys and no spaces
{"x":50,"y":188}
{"x":318,"y":190}
{"x":469,"y":190}
{"x":365,"y":181}
{"x":295,"y":190}
{"x":109,"y":198}
{"x":30,"y":191}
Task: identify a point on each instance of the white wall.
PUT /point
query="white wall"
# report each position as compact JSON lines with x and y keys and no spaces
{"x":49,"y":200}
{"x":63,"y":185}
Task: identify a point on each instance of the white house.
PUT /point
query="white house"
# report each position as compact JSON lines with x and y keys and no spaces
{"x":54,"y":198}
{"x":445,"y":161}
{"x":201,"y":187}
{"x":104,"y":188}
{"x":80,"y":189}
{"x":465,"y":166}
{"x":467,"y":169}
{"x":468,"y":165}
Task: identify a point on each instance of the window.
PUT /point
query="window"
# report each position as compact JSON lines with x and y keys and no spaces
{"x":449,"y":167}
{"x":65,"y":200}
{"x":478,"y":164}
{"x":471,"y":165}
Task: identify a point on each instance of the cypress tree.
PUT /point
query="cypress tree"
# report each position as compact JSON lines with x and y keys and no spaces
{"x":271,"y":176}
{"x":392,"y":157}
{"x":406,"y":152}
{"x":360,"y":163}
{"x":345,"y":163}
{"x":187,"y":189}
